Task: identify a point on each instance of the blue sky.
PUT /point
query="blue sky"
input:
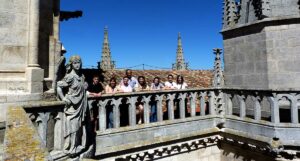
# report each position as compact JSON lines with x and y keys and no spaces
{"x":144,"y":31}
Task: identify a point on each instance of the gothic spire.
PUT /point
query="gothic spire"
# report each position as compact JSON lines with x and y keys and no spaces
{"x":180,"y":63}
{"x":218,"y":80}
{"x":106,"y":60}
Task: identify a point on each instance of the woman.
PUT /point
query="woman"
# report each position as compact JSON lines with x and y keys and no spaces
{"x":111,"y":88}
{"x":180,"y":83}
{"x":156,"y":85}
{"x":76,"y":110}
{"x":141,"y":86}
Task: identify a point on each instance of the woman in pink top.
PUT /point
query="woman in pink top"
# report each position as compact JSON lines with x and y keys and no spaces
{"x":111,"y":88}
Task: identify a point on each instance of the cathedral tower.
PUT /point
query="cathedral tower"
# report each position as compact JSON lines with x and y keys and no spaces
{"x":180,"y":63}
{"x":106,"y":60}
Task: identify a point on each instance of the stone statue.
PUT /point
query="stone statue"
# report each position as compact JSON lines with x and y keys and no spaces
{"x":76,"y":110}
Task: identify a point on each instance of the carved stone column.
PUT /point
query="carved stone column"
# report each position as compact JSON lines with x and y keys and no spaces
{"x":59,"y":131}
{"x":132,"y":110}
{"x":193,"y":99}
{"x":257,"y":107}
{"x":182,"y":97}
{"x":274,"y":108}
{"x":212,"y":105}
{"x":102,"y":114}
{"x":202,"y":103}
{"x":146,"y":101}
{"x":116,"y":111}
{"x":34,"y":24}
{"x":242,"y":99}
{"x":159,"y":99}
{"x":170,"y":98}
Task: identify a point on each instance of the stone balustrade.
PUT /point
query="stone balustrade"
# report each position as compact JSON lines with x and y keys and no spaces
{"x":268,"y":116}
{"x":166,"y":102}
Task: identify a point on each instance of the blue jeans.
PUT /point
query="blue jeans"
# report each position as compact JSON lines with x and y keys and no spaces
{"x":153,"y":114}
{"x":110,"y":118}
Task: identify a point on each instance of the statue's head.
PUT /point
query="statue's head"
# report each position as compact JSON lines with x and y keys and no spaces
{"x":74,"y":63}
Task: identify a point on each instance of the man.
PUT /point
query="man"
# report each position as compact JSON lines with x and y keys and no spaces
{"x":132,"y":81}
{"x":94,"y":90}
{"x":125,"y":86}
{"x":170,"y":84}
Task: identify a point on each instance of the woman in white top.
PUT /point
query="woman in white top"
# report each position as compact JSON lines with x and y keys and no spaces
{"x":180,"y":83}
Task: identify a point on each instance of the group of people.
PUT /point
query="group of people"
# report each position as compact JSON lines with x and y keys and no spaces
{"x":131,"y":84}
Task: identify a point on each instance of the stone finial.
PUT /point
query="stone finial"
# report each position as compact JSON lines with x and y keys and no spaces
{"x":218,"y":80}
{"x":106,"y":60}
{"x":180,"y":62}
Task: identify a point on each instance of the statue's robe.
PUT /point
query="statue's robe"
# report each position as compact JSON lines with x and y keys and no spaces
{"x":75,"y":113}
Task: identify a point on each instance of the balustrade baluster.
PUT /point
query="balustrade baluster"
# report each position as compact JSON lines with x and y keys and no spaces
{"x":171,"y":97}
{"x":59,"y":131}
{"x":229,"y":104}
{"x":212,"y":105}
{"x":132,"y":110}
{"x":242,"y":106}
{"x":146,"y":101}
{"x":202,"y":103}
{"x":102,"y":114}
{"x":42,"y":121}
{"x":294,"y":109}
{"x":193,"y":98}
{"x":257,"y":107}
{"x":274,"y":108}
{"x":159,"y":99}
{"x":116,"y":111}
{"x":182,"y":97}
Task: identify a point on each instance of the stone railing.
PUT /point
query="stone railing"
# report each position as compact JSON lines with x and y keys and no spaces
{"x":48,"y":118}
{"x":268,"y":116}
{"x":189,"y":103}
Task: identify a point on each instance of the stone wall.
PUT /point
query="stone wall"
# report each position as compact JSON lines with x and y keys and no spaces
{"x":282,"y":50}
{"x":29,"y":48}
{"x":14,"y":30}
{"x":245,"y":59}
{"x":13,"y":36}
{"x":263,"y":55}
{"x":222,"y":151}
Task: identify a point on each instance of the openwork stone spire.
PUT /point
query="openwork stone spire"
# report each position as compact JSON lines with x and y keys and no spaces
{"x":180,"y":63}
{"x":218,"y":80}
{"x":230,"y":15}
{"x":106,"y":61}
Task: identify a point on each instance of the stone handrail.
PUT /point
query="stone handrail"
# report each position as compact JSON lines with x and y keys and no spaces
{"x":166,"y":97}
{"x":220,"y":102}
{"x":260,"y":112}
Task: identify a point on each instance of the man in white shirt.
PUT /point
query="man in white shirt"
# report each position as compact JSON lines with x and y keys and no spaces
{"x":132,"y":81}
{"x":170,"y":84}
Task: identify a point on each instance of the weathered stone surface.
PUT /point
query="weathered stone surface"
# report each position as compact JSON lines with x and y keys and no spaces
{"x":27,"y":146}
{"x":262,"y":56}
